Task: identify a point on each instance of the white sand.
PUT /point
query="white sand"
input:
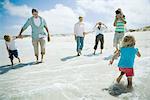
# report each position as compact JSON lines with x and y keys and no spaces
{"x":64,"y":77}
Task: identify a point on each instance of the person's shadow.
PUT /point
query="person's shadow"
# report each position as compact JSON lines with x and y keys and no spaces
{"x":68,"y":57}
{"x":92,"y":54}
{"x":5,"y":68}
{"x":108,"y":57}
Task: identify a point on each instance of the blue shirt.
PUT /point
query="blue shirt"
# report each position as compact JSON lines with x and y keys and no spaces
{"x":120,"y":26}
{"x":127,"y":57}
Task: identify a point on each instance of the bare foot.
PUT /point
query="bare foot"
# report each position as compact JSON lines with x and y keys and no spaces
{"x":118,"y":80}
{"x":129,"y":88}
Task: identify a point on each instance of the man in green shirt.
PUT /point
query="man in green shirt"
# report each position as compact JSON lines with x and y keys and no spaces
{"x":38,"y":25}
{"x":119,"y":23}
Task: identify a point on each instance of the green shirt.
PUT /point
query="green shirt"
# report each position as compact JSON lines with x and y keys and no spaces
{"x":120,"y":26}
{"x":36,"y":30}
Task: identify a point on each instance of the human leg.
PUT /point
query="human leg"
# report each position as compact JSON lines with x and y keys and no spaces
{"x":36,"y":48}
{"x":42,"y":44}
{"x":120,"y":77}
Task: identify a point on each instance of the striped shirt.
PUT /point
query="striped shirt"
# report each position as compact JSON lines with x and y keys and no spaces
{"x":120,"y":26}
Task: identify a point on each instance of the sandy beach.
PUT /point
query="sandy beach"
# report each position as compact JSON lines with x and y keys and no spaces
{"x":63,"y":76}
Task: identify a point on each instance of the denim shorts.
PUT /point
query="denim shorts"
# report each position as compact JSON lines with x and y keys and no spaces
{"x":13,"y":53}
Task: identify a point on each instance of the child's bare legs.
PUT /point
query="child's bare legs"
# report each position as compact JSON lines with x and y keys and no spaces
{"x":129,"y":86}
{"x":11,"y":62}
{"x":116,"y":49}
{"x":11,"y":58}
{"x":120,"y":77}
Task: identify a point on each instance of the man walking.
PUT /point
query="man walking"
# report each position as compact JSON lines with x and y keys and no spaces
{"x":37,"y":24}
{"x":79,"y":33}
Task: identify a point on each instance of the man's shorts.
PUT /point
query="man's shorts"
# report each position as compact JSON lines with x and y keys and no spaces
{"x":128,"y":71}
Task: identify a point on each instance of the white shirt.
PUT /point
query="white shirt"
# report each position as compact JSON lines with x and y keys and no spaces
{"x":37,"y":21}
{"x":11,"y":45}
{"x":79,"y":29}
{"x":97,"y":31}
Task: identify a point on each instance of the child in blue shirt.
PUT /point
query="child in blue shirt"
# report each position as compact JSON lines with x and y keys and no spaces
{"x":127,"y":55}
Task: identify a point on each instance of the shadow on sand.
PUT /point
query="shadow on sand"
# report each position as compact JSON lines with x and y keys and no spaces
{"x":5,"y":68}
{"x":68,"y":58}
{"x":108,"y":57}
{"x":91,"y":55}
{"x":117,"y":89}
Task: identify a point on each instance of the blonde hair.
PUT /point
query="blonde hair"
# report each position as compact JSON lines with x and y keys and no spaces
{"x":128,"y":41}
{"x":7,"y":38}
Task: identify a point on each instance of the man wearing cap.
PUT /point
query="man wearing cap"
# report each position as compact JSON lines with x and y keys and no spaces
{"x":79,"y":33}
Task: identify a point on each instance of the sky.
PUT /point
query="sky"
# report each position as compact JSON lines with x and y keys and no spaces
{"x":61,"y":15}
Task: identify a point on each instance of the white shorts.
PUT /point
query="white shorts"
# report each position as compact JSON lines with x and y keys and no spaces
{"x":117,"y":39}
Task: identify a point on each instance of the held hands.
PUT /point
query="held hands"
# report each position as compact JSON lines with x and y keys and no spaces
{"x":85,"y":33}
{"x":19,"y":36}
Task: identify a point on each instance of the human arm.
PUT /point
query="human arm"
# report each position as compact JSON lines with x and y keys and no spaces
{"x":25,"y":26}
{"x":123,"y":19}
{"x":7,"y":48}
{"x":47,"y":30}
{"x":104,"y":25}
{"x":48,"y":36}
{"x":113,"y":58}
{"x":138,"y":53}
{"x":75,"y":31}
{"x":93,"y":29}
{"x":75,"y":37}
{"x":115,"y":21}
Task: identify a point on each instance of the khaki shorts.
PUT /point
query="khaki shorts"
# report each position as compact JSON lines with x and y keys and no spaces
{"x":36,"y":43}
{"x":118,"y":37}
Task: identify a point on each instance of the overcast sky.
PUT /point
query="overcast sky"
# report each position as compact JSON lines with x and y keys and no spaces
{"x":61,"y":15}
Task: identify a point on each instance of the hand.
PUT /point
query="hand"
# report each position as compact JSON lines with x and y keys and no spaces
{"x":19,"y":36}
{"x":117,"y":17}
{"x":48,"y":38}
{"x":84,"y":33}
{"x":110,"y":62}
